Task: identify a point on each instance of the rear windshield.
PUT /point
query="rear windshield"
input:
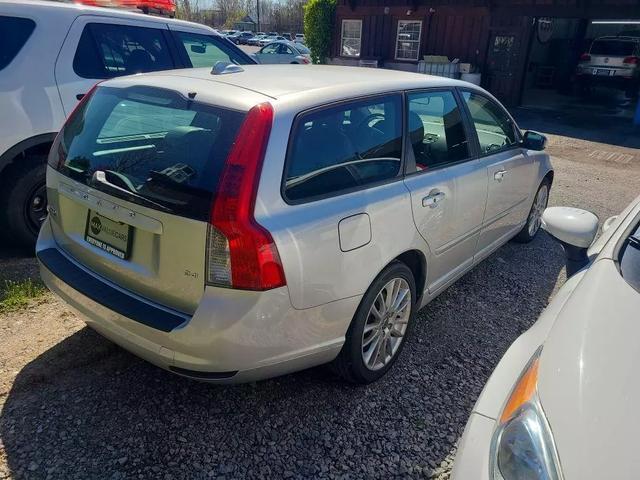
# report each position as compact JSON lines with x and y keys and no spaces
{"x":614,"y":48}
{"x":14,"y":33}
{"x":149,"y":146}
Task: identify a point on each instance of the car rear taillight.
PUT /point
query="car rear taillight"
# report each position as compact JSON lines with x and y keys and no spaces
{"x":633,"y":60}
{"x":57,"y":158}
{"x":585,"y":57}
{"x":240,"y":252}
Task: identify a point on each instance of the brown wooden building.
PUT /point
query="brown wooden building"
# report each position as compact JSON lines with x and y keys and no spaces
{"x":519,"y":46}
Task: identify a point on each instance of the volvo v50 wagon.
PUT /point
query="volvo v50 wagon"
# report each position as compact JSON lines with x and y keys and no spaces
{"x":237,"y":223}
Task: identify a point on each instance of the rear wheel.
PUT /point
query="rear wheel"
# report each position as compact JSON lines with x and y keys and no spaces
{"x":380,"y":326}
{"x":24,"y":200}
{"x":534,"y":220}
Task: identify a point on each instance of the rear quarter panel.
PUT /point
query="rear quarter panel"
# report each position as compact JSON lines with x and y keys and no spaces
{"x":316,"y":269}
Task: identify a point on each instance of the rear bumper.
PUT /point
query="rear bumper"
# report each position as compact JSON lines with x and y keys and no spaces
{"x":234,"y":336}
{"x":617,"y":81}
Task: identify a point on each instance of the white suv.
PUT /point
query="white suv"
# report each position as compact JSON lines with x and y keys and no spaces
{"x":51,"y":54}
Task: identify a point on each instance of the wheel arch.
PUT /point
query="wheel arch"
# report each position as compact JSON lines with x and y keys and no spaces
{"x":38,"y":144}
{"x":417,"y":263}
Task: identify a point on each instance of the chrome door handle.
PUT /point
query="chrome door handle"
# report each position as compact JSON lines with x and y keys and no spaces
{"x":433,"y":199}
{"x":499,"y":175}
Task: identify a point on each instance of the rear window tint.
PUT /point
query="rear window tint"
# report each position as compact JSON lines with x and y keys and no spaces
{"x":14,"y":33}
{"x":107,"y":51}
{"x":344,"y":147}
{"x":615,"y":48}
{"x":151,"y":147}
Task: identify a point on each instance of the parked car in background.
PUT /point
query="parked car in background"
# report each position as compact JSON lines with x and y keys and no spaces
{"x":240,"y":38}
{"x":562,"y":402}
{"x":282,"y":51}
{"x":273,"y":34}
{"x":273,"y":181}
{"x":299,"y":38}
{"x":255,"y":40}
{"x":52,"y":54}
{"x":287,"y":36}
{"x":268,"y":39}
{"x":612,"y":62}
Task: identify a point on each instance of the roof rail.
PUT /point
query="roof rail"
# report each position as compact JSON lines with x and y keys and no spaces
{"x":223,"y":68}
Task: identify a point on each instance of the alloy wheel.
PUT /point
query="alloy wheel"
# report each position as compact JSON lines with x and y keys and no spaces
{"x":386,"y":324}
{"x":539,"y":205}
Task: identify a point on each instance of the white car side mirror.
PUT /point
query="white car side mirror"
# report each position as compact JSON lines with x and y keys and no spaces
{"x":575,"y":229}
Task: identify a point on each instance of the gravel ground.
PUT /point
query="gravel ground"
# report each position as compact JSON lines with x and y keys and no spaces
{"x":74,"y":405}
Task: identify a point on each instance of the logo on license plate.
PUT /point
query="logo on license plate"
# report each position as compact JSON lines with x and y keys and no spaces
{"x":95,"y":225}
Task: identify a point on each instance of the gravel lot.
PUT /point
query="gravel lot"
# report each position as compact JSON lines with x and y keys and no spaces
{"x":73,"y":405}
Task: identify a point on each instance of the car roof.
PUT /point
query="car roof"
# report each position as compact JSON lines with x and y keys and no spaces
{"x":75,"y":9}
{"x":324,"y":83}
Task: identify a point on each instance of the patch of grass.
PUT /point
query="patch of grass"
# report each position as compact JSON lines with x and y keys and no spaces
{"x":17,"y":295}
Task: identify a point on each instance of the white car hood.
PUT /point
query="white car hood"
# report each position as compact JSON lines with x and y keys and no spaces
{"x":589,"y":381}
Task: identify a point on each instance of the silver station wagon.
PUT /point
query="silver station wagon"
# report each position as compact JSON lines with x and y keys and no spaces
{"x":237,"y":223}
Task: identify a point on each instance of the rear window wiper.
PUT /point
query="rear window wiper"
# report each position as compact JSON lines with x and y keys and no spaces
{"x":100,"y":176}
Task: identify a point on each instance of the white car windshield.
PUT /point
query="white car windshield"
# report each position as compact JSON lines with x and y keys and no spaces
{"x":630,"y":259}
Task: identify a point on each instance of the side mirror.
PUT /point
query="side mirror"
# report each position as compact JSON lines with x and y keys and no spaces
{"x":198,"y":48}
{"x":534,"y":141}
{"x":575,"y":229}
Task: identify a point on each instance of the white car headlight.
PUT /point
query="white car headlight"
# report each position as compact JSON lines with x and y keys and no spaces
{"x":522,"y":447}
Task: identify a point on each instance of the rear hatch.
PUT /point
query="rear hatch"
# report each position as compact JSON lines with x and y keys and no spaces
{"x":612,"y":54}
{"x":136,"y":170}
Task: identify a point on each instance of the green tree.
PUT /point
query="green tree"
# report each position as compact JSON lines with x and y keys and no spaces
{"x":318,"y":27}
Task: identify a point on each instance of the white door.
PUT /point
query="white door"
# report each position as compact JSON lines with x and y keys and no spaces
{"x":448,"y":186}
{"x":98,"y":48}
{"x":510,"y":172}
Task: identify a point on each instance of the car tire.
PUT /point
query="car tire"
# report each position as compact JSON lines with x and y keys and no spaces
{"x":359,"y":361}
{"x":534,"y":219}
{"x":24,"y":200}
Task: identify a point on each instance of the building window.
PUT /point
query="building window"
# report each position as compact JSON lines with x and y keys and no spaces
{"x":408,"y":40}
{"x":351,"y":38}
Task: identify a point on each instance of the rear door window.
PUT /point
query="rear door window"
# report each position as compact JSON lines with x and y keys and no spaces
{"x":344,"y":147}
{"x":436,"y":130}
{"x":107,"y":50}
{"x":149,"y":146}
{"x":205,"y":50}
{"x":14,"y":33}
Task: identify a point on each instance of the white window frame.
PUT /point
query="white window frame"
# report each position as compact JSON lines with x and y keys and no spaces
{"x":400,"y":22}
{"x":345,"y":20}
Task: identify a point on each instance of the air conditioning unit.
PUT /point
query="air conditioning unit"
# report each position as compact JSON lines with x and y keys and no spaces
{"x":368,"y":63}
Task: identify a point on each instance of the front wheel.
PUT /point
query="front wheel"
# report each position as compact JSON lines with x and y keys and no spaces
{"x":534,"y":220}
{"x":380,"y":326}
